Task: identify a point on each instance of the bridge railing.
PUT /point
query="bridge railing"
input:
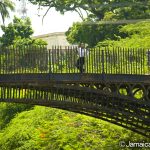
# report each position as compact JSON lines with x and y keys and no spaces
{"x":57,"y":60}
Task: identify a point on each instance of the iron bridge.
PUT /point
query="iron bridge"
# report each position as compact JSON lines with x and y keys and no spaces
{"x":115,"y":86}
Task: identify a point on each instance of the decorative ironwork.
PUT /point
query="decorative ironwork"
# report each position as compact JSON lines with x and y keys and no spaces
{"x":115,"y":86}
{"x":57,"y":60}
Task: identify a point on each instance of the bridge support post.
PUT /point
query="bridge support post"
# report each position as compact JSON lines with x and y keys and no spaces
{"x":103,"y":66}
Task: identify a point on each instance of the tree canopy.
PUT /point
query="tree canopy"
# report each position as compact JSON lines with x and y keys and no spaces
{"x":96,"y":32}
{"x":19,"y":33}
{"x":106,"y":11}
{"x":138,"y":36}
{"x":122,"y":9}
{"x":5,"y":7}
{"x":18,"y":28}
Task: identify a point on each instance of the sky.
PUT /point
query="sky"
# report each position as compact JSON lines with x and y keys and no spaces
{"x":53,"y":21}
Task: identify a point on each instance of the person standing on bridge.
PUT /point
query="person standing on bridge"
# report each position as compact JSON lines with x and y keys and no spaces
{"x":82,"y":52}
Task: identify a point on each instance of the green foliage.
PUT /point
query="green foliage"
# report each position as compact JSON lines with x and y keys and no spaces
{"x":122,"y":9}
{"x":22,"y":42}
{"x":141,"y":28}
{"x":98,"y":10}
{"x":8,"y":112}
{"x":46,"y":128}
{"x":16,"y":41}
{"x":138,"y":36}
{"x":5,"y":7}
{"x":96,"y":32}
{"x":18,"y":33}
{"x":90,"y":31}
{"x":18,"y":28}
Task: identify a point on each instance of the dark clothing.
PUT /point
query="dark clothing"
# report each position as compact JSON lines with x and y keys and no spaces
{"x":80,"y":64}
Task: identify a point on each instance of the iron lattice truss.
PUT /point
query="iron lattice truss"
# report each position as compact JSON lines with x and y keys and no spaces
{"x":114,"y":102}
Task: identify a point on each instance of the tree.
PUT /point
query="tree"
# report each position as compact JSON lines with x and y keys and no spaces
{"x":5,"y":6}
{"x":123,"y":9}
{"x":96,"y":32}
{"x":138,"y":36}
{"x":99,"y":10}
{"x":17,"y":37}
{"x":18,"y":28}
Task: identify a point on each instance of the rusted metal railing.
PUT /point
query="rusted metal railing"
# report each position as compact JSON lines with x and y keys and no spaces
{"x":57,"y":60}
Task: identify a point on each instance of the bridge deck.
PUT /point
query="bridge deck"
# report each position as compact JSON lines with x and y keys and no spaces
{"x":72,"y":78}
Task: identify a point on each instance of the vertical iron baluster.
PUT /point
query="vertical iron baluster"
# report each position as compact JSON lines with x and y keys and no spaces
{"x":74,"y":59}
{"x":10,"y":94}
{"x":124,"y":68}
{"x":4,"y":92}
{"x":40,"y":66}
{"x":23,"y":61}
{"x":25,"y":58}
{"x":98,"y":59}
{"x":0,"y":60}
{"x":128,"y":61}
{"x":113,"y":60}
{"x":92,"y":59}
{"x":103,"y":69}
{"x":61,"y":59}
{"x":137,"y":60}
{"x":141,"y":61}
{"x":144,"y":64}
{"x":19,"y":65}
{"x":134,"y":64}
{"x":90,"y":62}
{"x":32,"y":59}
{"x":14,"y":59}
{"x":67,"y":64}
{"x":65,"y":57}
{"x":142,"y":68}
{"x":3,"y":60}
{"x":7,"y":60}
{"x":69,"y":59}
{"x":110,"y":59}
{"x":49,"y":60}
{"x":109,"y":65}
{"x":106,"y":59}
{"x":57,"y":56}
{"x":131,"y":57}
{"x":87,"y":61}
{"x":70,"y":54}
{"x":18,"y":59}
{"x":148,"y":60}
{"x":19,"y":93}
{"x":53,"y":58}
{"x":121,"y":59}
{"x":118,"y":61}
